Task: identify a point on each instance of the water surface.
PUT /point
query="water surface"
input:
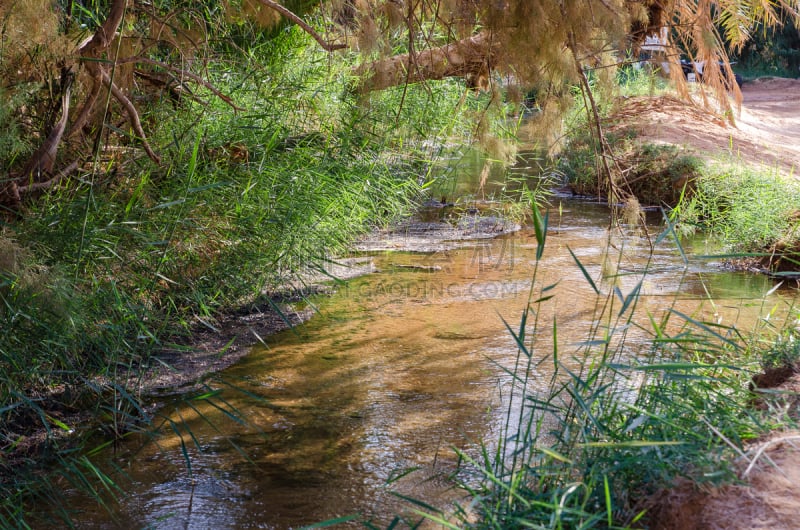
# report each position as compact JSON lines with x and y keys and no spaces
{"x":371,"y":395}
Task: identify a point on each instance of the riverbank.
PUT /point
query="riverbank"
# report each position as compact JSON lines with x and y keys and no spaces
{"x":216,"y":342}
{"x":736,"y":180}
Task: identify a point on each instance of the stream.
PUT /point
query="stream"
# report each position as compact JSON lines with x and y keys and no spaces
{"x":370,"y":396}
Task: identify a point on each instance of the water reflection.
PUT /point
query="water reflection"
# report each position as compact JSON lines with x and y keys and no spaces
{"x":396,"y":369}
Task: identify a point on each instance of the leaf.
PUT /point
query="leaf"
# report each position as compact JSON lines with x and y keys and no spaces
{"x":584,"y":271}
{"x":632,"y":296}
{"x":540,"y":230}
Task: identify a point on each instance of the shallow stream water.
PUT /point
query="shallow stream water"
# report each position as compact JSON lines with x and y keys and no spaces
{"x":370,"y":396}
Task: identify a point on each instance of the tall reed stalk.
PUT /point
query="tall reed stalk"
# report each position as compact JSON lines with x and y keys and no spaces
{"x":642,"y":400}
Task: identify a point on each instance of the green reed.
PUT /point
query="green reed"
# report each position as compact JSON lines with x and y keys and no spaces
{"x":128,"y":260}
{"x":641,"y":400}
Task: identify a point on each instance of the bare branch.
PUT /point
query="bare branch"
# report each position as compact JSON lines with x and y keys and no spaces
{"x":194,"y":77}
{"x":327,"y":46}
{"x":83,"y":114}
{"x":44,"y":158}
{"x":133,"y":115}
{"x":49,"y":183}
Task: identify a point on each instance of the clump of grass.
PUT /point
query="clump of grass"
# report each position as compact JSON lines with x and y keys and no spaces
{"x":750,"y":211}
{"x":784,"y":352}
{"x":641,"y":81}
{"x":642,"y":401}
{"x":656,"y":175}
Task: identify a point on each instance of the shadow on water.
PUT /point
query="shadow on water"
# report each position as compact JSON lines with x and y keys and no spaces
{"x":371,"y":395}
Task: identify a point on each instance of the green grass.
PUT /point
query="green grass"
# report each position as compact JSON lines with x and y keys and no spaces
{"x":634,"y":82}
{"x":643,"y":400}
{"x":749,"y":211}
{"x":130,"y":258}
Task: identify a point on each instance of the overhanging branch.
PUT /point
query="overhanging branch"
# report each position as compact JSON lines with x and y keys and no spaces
{"x":327,"y":46}
{"x":473,"y":56}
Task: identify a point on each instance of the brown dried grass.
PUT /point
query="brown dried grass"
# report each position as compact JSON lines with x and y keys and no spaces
{"x":32,"y":43}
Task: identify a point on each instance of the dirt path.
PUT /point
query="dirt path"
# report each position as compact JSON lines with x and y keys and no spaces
{"x":767,"y":130}
{"x":770,"y":117}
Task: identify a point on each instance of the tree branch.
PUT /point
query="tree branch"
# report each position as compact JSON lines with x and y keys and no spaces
{"x":327,"y":46}
{"x":44,"y":158}
{"x":48,"y":183}
{"x":83,"y":114}
{"x":470,"y":56}
{"x":133,"y":115}
{"x":104,"y":35}
{"x":194,"y":77}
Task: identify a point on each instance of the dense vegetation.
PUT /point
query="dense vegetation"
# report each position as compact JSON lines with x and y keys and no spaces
{"x":165,"y":162}
{"x":643,"y":403}
{"x":127,"y":259}
{"x":771,"y":51}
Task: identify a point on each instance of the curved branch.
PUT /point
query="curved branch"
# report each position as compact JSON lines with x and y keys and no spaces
{"x":48,"y":183}
{"x":194,"y":77}
{"x":104,"y":35}
{"x":44,"y":158}
{"x":83,"y":114}
{"x":327,"y":46}
{"x":133,"y":115}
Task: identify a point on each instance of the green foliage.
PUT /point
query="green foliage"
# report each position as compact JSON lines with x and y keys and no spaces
{"x":640,"y":82}
{"x":784,"y":352}
{"x":771,"y":52}
{"x":12,"y":143}
{"x":629,"y":410}
{"x":749,"y":210}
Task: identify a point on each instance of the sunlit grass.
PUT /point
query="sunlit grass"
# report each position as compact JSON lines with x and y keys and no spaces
{"x":103,"y":274}
{"x":620,"y":419}
{"x":747,"y":209}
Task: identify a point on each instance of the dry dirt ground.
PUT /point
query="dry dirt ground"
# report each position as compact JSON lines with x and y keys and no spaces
{"x":767,"y":496}
{"x":766,"y":131}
